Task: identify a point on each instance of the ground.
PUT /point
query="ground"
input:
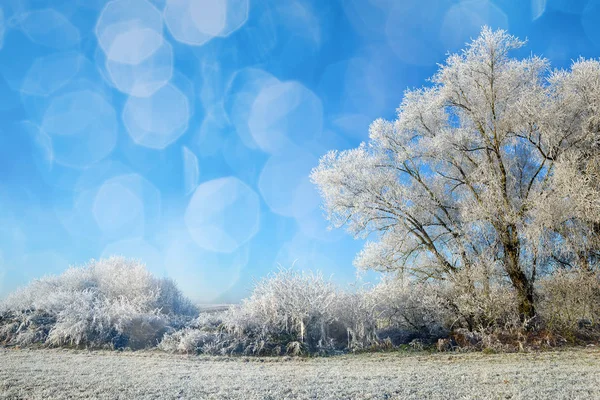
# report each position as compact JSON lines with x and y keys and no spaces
{"x":62,"y":374}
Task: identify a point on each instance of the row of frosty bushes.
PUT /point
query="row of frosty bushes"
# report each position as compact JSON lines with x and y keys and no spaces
{"x":116,"y":303}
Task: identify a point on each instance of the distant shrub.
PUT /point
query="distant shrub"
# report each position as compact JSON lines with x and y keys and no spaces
{"x":569,"y":304}
{"x":356,"y":319}
{"x":112,"y":303}
{"x":412,"y":310}
{"x":191,"y":341}
{"x":287,"y":304}
{"x":203,"y":335}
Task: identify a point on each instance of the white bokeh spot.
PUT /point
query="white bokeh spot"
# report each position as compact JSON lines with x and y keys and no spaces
{"x":129,"y":31}
{"x":158,"y":120}
{"x":134,"y":46}
{"x":195,"y":22}
{"x":284,"y":114}
{"x":538,"y":8}
{"x":412,"y":30}
{"x":191,"y":170}
{"x":117,"y":208}
{"x":223,"y":214}
{"x":2,"y":28}
{"x":285,"y":185}
{"x":125,"y":205}
{"x":50,"y":28}
{"x":203,"y":275}
{"x":589,"y":21}
{"x":464,"y":21}
{"x":145,"y":78}
{"x":48,"y":74}
{"x":82,"y":126}
{"x":241,"y":92}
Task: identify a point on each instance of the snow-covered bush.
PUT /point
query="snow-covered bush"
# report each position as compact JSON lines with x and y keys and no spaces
{"x":192,"y":341}
{"x":286,"y":306}
{"x":357,"y":313}
{"x":570,"y":304}
{"x":208,"y":320}
{"x":112,"y":303}
{"x":482,"y":299}
{"x":412,"y":310}
{"x":203,"y":335}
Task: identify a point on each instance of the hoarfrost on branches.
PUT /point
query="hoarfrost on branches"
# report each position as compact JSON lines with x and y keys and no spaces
{"x":496,"y":162}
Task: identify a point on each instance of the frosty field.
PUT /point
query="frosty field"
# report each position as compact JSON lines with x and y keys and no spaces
{"x":61,"y":374}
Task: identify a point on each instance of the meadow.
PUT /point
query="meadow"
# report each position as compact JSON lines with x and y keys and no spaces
{"x":64,"y":374}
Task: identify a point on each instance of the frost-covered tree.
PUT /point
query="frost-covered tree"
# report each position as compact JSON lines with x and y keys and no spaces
{"x":495,"y":164}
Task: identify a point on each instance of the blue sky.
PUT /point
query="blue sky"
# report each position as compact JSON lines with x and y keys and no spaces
{"x":182,"y":132}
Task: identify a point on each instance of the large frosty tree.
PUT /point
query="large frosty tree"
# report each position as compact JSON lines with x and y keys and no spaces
{"x":496,"y":164}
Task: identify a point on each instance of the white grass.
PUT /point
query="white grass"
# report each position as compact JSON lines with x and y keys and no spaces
{"x":58,"y":374}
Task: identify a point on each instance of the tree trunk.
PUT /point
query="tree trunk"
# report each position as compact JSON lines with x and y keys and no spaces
{"x":525,"y":295}
{"x":522,"y":284}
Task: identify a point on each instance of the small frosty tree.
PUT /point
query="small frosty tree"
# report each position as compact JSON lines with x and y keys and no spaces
{"x":495,"y":165}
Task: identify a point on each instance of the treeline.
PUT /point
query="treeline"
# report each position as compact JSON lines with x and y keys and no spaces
{"x":117,"y":304}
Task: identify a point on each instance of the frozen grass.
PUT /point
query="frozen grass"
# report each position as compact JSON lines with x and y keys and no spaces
{"x":58,"y":374}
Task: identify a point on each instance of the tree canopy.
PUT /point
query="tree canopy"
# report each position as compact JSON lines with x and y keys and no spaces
{"x":495,"y":165}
